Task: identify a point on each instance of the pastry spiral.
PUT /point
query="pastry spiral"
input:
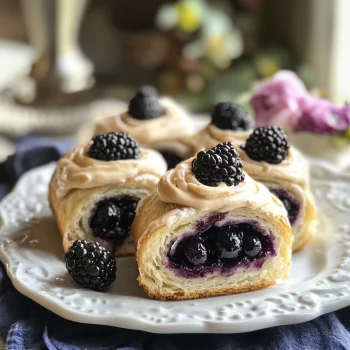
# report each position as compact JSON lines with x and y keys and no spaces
{"x":182,"y":208}
{"x":289,"y":180}
{"x":80,"y":184}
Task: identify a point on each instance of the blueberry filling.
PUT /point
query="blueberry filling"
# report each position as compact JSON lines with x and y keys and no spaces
{"x":290,"y":203}
{"x":172,"y":159}
{"x":195,"y":251}
{"x":252,"y":246}
{"x":113,"y":217}
{"x":221,"y":248}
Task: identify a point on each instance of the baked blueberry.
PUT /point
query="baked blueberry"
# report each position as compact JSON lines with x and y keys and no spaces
{"x":195,"y":251}
{"x":229,"y":242}
{"x":252,"y":246}
{"x":222,"y":247}
{"x":90,"y":265}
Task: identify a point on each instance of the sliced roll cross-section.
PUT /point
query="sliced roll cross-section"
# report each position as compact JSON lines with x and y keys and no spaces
{"x":268,"y":158}
{"x":209,"y":229}
{"x":96,"y":187}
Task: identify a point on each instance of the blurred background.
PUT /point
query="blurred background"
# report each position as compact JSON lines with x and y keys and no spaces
{"x":63,"y":62}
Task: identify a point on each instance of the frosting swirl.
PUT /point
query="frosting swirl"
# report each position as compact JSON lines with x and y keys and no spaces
{"x":172,"y":125}
{"x":293,"y":169}
{"x":76,"y":170}
{"x":180,"y":186}
{"x":211,"y":135}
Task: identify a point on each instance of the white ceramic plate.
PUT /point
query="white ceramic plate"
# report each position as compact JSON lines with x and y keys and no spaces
{"x":30,"y":246}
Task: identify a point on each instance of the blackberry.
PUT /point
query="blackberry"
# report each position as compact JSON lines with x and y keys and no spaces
{"x":127,"y":205}
{"x":267,"y":143}
{"x":106,"y":220}
{"x":114,"y":146}
{"x":145,"y":105}
{"x":146,"y":90}
{"x":90,"y":265}
{"x":113,"y":218}
{"x":230,"y":116}
{"x":219,"y":164}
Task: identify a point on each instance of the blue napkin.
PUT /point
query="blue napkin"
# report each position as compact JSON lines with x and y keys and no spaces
{"x":25,"y":325}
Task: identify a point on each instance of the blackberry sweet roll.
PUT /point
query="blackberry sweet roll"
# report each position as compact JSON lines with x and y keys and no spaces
{"x":209,"y":229}
{"x":229,"y":123}
{"x":157,"y":123}
{"x":268,"y":158}
{"x":97,"y":186}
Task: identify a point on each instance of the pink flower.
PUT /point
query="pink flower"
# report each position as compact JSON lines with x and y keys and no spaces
{"x":320,"y":116}
{"x":277,"y":100}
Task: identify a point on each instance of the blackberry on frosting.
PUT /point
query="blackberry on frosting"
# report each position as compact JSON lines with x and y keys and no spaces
{"x":218,"y":164}
{"x":147,"y":90}
{"x":267,"y":143}
{"x":145,"y":105}
{"x":230,"y":116}
{"x":114,"y":146}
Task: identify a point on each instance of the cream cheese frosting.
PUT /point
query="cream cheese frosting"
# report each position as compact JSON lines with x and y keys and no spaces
{"x":293,"y":169}
{"x":211,"y":135}
{"x":174,"y":124}
{"x":180,"y":186}
{"x":76,"y":170}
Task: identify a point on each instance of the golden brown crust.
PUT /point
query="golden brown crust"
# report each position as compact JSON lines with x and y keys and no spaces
{"x":207,"y":294}
{"x":54,"y":203}
{"x":310,"y":225}
{"x":305,"y":227}
{"x":145,"y":215}
{"x":300,"y":247}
